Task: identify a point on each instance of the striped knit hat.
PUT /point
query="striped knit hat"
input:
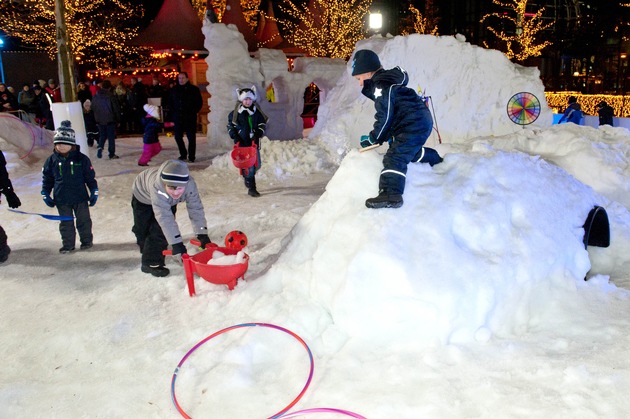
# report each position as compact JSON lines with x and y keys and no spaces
{"x":65,"y":134}
{"x":175,"y":173}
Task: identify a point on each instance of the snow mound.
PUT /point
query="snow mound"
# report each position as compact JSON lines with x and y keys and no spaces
{"x":286,"y":158}
{"x":448,"y":265}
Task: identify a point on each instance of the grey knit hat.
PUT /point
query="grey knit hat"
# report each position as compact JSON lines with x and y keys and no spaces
{"x":175,"y":173}
{"x":365,"y":61}
{"x":65,"y":134}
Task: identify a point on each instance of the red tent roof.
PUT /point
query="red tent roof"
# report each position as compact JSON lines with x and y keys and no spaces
{"x":268,"y":34}
{"x":234,"y":14}
{"x":176,"y":26}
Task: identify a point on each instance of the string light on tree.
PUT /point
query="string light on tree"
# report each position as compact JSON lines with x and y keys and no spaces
{"x":423,"y":24}
{"x":98,"y":29}
{"x":325,"y":28}
{"x":522,"y":44}
{"x":249,"y":8}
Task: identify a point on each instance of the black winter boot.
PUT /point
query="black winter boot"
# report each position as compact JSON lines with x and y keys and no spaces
{"x":384,"y":200}
{"x":155,"y":270}
{"x":251,"y":188}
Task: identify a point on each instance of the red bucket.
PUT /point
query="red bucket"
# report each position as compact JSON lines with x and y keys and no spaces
{"x":218,"y":274}
{"x":244,"y":157}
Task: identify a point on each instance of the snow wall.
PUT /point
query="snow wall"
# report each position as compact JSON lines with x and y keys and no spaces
{"x":460,"y":78}
{"x":231,"y":67}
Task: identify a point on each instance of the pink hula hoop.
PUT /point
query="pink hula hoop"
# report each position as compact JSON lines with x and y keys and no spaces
{"x":238,"y":326}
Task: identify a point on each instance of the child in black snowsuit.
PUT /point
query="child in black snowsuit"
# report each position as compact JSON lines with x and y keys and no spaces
{"x":246,"y":126}
{"x":13,"y":201}
{"x":402,"y":119}
{"x":67,"y":173}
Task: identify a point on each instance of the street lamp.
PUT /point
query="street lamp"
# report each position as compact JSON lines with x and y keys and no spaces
{"x":376,"y":21}
{"x":1,"y":66}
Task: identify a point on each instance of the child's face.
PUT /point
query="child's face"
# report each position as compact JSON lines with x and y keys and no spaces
{"x":247,"y":102}
{"x":175,"y":192}
{"x":63,"y":148}
{"x":363,"y":77}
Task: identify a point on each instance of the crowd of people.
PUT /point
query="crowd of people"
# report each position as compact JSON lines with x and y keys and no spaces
{"x":34,"y":100}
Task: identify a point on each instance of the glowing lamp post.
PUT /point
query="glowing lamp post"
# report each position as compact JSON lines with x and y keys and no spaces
{"x":375,"y":21}
{"x":1,"y":66}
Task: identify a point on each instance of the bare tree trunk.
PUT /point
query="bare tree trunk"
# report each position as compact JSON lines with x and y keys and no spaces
{"x":64,"y":55}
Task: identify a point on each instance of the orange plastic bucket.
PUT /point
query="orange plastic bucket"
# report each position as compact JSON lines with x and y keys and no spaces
{"x":244,"y":157}
{"x":216,"y":274}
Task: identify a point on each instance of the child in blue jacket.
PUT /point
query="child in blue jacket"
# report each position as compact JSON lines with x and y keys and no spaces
{"x":402,"y":119}
{"x":573,"y":112}
{"x":69,"y":175}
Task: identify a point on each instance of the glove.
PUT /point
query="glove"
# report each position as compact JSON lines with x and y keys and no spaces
{"x":93,"y":197}
{"x":12,"y":198}
{"x":366,"y":141}
{"x":47,"y":199}
{"x":179,"y":249}
{"x":203,"y":240}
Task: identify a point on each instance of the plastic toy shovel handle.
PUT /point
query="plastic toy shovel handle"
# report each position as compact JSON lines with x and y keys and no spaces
{"x":368,"y":148}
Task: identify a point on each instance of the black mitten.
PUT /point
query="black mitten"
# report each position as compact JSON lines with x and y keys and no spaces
{"x":179,"y":249}
{"x":12,"y":198}
{"x":203,"y":240}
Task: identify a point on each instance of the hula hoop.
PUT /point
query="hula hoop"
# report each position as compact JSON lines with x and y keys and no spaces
{"x":238,"y":326}
{"x":32,"y":135}
{"x":323,"y":409}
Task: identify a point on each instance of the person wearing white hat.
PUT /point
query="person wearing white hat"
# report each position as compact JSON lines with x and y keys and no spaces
{"x":152,"y":127}
{"x":246,"y":127}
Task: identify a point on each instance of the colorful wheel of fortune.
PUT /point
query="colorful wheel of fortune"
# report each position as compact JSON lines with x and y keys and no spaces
{"x":523,"y":108}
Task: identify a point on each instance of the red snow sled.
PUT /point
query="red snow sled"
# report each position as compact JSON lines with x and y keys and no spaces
{"x":215,"y":274}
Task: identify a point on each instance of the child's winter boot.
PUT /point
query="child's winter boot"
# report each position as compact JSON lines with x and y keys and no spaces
{"x":385,"y":200}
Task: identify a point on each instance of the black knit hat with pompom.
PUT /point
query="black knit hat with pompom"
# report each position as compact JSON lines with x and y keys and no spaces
{"x":65,"y":134}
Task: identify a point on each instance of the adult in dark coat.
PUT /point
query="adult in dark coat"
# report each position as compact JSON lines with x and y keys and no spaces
{"x":402,"y":119}
{"x":107,"y":115}
{"x":6,"y":189}
{"x":606,"y":113}
{"x":137,"y":99}
{"x":185,"y":103}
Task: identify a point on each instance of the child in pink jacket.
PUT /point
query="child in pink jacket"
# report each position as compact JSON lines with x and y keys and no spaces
{"x":152,"y":127}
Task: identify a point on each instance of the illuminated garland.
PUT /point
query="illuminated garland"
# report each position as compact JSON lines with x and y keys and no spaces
{"x":98,"y":29}
{"x":558,"y":101}
{"x":166,"y":72}
{"x":522,"y":44}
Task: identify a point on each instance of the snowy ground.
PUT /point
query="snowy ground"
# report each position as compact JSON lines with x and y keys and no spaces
{"x":466,"y":302}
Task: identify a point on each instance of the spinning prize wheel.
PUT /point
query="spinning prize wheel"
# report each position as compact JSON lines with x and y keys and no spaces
{"x":523,"y":108}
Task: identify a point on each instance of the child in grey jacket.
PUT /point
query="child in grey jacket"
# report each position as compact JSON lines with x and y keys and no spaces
{"x":156,"y":193}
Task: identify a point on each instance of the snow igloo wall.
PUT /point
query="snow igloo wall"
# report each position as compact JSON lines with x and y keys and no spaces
{"x":230,"y":66}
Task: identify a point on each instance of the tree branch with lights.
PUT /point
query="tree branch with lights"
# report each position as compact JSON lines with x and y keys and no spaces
{"x":423,"y":23}
{"x":522,"y":43}
{"x":249,"y":8}
{"x":325,"y":28}
{"x":98,"y":29}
